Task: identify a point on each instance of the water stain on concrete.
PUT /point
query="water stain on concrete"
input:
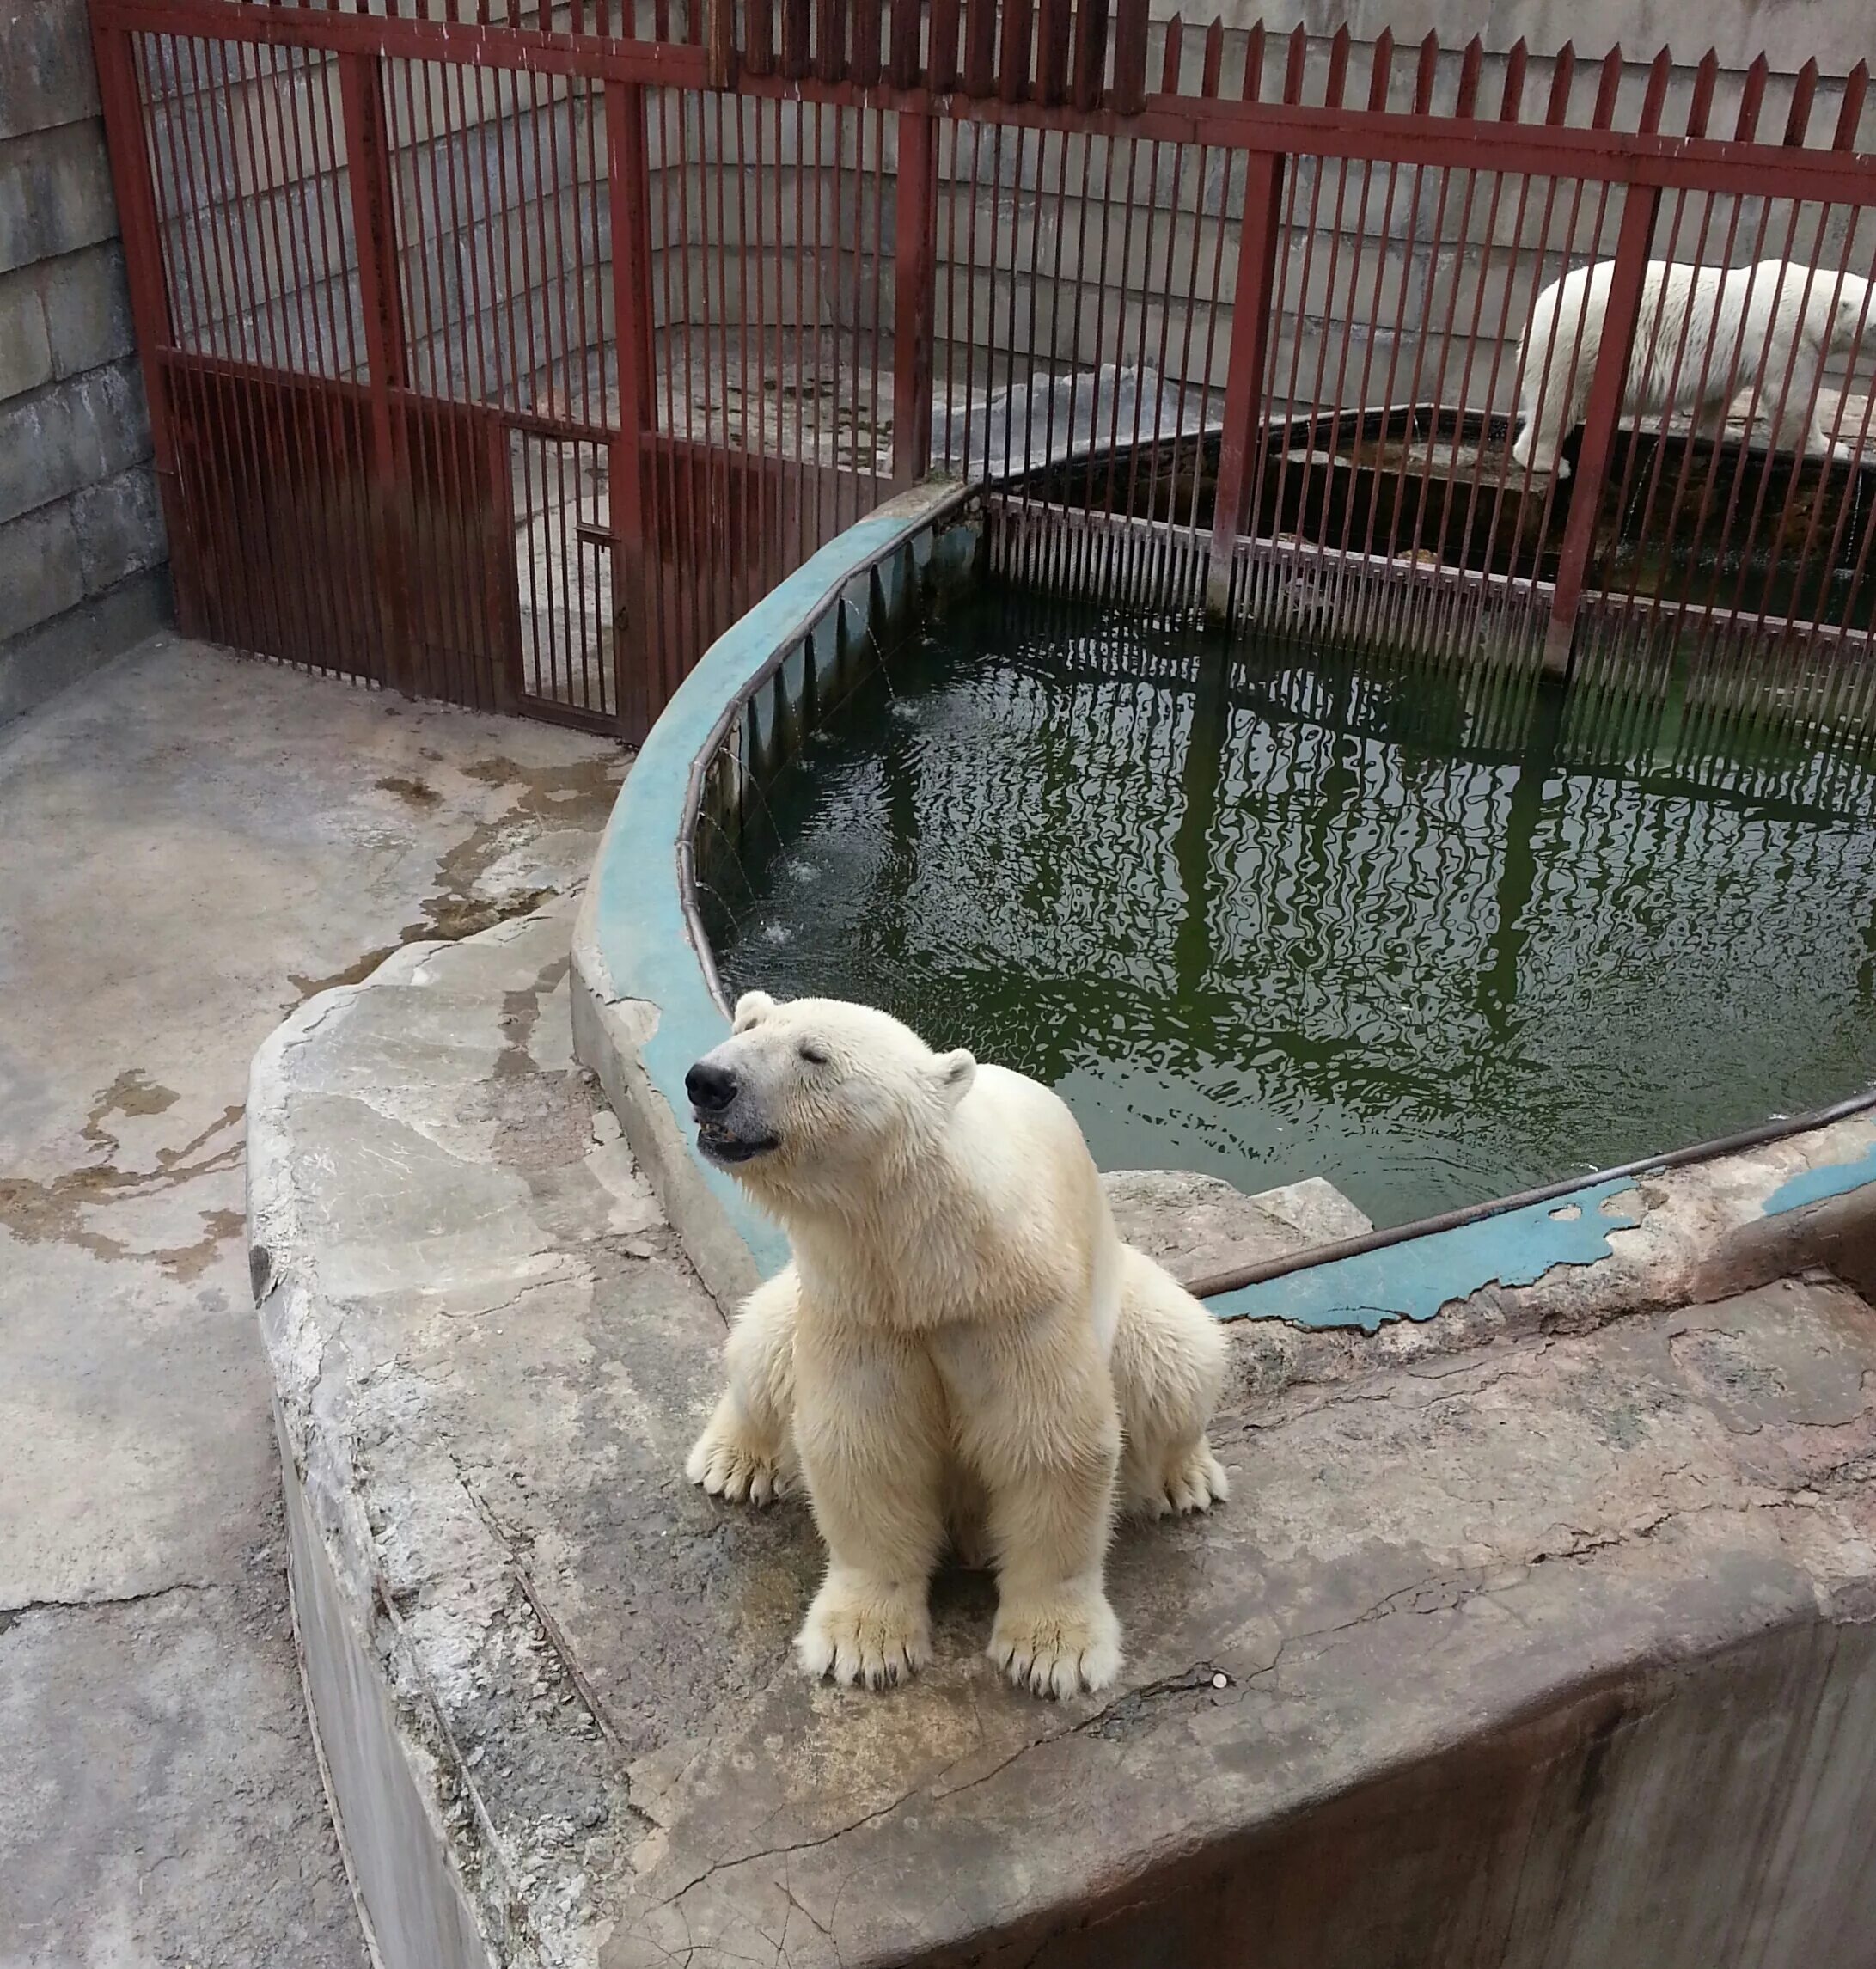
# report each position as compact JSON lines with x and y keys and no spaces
{"x":416,"y":793}
{"x":576,"y":796}
{"x":186,"y":1262}
{"x":53,"y":1212}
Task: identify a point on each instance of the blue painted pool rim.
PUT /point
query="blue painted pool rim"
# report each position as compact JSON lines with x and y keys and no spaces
{"x":647,"y":1001}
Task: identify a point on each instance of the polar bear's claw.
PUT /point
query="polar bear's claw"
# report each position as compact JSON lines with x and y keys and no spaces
{"x":877,"y":1635}
{"x":1058,"y":1649}
{"x":1190,"y":1480}
{"x":736,"y":1471}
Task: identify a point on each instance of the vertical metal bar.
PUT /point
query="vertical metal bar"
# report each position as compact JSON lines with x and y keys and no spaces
{"x":242,"y":409}
{"x":980,"y":47}
{"x":759,"y":38}
{"x":830,"y":40}
{"x":1638,"y":211}
{"x":1054,"y":26}
{"x":1257,"y":240}
{"x":903,"y":62}
{"x":864,"y":70}
{"x":720,"y":43}
{"x":1090,"y":52}
{"x":795,"y":18}
{"x":1128,"y":94}
{"x":1014,"y":56}
{"x":941,"y":59}
{"x":363,"y":106}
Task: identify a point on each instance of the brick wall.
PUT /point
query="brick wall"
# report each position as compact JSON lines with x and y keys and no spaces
{"x":82,"y":553}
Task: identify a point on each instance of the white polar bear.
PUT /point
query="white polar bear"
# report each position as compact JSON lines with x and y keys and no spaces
{"x":1774,"y":324}
{"x":963,"y":1345}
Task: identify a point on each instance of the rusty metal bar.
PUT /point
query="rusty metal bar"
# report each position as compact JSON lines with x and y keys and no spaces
{"x":719,"y":44}
{"x":1606,"y":391}
{"x":914,"y":295}
{"x":1257,"y":245}
{"x":628,"y":194}
{"x":362,"y":101}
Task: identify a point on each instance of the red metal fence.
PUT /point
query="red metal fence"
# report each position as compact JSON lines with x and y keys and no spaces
{"x":505,"y":354}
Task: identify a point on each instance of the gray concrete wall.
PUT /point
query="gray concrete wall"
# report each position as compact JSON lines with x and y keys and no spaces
{"x":82,"y":551}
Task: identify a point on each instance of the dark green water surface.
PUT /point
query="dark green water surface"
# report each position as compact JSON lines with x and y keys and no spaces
{"x":1273,"y":915}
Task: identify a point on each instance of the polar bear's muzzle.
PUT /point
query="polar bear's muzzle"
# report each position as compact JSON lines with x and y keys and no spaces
{"x":729,"y":1130}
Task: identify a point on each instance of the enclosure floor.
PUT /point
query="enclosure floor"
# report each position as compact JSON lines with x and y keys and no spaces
{"x":188,"y":846}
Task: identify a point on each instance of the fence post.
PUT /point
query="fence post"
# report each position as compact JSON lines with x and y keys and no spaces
{"x":1257,"y":238}
{"x":1639,"y":203}
{"x":361,"y":95}
{"x":913,"y":305}
{"x":628,"y":193}
{"x":720,"y":43}
{"x":126,"y":140}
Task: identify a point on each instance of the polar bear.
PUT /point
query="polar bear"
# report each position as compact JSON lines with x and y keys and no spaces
{"x":1703,"y":333}
{"x":962,"y":1348}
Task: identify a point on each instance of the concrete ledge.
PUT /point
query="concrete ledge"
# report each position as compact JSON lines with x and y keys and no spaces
{"x":645,"y":998}
{"x":1557,"y":1651}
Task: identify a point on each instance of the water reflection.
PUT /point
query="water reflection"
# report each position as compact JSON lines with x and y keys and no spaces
{"x":1273,"y":916}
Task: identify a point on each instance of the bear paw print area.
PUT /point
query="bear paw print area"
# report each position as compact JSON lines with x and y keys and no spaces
{"x":562,"y":1678}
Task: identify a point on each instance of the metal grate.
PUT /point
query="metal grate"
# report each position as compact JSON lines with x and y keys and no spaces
{"x":507,"y":352}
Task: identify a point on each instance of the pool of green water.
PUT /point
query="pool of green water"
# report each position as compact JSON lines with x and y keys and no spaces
{"x":1270,"y":915}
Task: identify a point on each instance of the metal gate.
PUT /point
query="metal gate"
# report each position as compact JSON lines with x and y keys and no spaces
{"x":505,"y":353}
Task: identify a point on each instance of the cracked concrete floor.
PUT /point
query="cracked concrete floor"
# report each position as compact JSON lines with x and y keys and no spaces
{"x":190,"y":842}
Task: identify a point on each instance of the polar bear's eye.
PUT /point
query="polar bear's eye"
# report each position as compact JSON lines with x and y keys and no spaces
{"x":814,"y":1056}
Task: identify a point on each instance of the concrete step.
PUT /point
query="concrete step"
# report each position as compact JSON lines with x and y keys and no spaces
{"x":1514,"y":1645}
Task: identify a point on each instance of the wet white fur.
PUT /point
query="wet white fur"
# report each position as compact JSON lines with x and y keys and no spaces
{"x":962,"y":1349}
{"x":1774,"y":324}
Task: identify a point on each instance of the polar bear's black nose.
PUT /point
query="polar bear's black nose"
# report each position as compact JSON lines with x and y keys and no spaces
{"x":710,"y":1089}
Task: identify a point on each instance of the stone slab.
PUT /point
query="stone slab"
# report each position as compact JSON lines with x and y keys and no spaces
{"x":41,"y":571}
{"x":26,"y":356}
{"x":55,"y":192}
{"x":70,"y":435}
{"x":1199,"y":1225}
{"x":1560,"y":1644}
{"x":88,"y":309}
{"x":47,"y":77}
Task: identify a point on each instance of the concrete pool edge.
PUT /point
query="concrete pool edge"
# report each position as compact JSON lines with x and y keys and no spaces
{"x":645,"y":1003}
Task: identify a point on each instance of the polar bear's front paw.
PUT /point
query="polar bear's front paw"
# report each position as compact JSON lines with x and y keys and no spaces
{"x":731,"y":1463}
{"x":860,"y":1631}
{"x":1058,"y":1644}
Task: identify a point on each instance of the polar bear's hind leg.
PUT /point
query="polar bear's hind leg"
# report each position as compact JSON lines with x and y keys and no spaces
{"x":1169,"y":1367}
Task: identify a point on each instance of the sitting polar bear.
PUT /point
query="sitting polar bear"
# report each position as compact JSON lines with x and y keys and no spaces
{"x":962,"y":1345}
{"x":1775,"y":323}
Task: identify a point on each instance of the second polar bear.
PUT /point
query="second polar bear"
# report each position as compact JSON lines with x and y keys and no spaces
{"x":961,"y":1350}
{"x":1703,"y":334}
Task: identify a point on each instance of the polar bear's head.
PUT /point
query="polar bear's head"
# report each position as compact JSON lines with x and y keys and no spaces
{"x":1853,"y":318}
{"x":820,"y":1100}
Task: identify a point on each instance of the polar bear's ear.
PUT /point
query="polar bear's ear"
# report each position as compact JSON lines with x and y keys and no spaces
{"x":752,"y":1008}
{"x":953,"y":1073}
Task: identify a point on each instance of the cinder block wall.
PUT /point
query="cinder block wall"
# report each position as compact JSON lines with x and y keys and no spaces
{"x":82,"y":556}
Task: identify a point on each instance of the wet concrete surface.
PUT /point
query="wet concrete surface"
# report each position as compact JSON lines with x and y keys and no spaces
{"x":190,"y":844}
